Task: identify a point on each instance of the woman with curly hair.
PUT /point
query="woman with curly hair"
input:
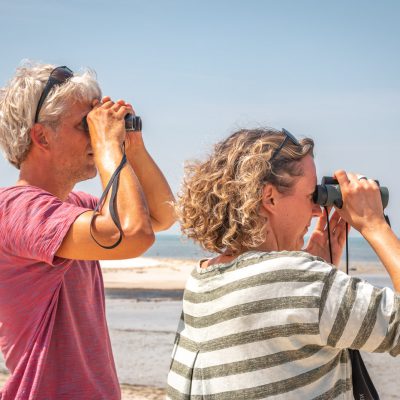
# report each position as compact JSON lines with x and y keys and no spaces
{"x":264,"y":319}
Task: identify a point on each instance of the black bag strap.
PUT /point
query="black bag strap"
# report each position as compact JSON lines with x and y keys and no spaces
{"x":363,"y":388}
{"x":113,"y":182}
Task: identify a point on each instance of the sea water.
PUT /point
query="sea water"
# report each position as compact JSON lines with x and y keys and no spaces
{"x":176,"y":246}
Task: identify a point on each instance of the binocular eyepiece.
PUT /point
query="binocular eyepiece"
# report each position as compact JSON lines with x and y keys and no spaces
{"x":328,"y":193}
{"x":132,"y":123}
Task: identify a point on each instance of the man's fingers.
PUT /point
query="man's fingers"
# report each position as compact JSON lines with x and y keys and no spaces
{"x":108,"y":104}
{"x":116,"y":106}
{"x":131,"y":109}
{"x":95,"y":103}
{"x":122,"y":111}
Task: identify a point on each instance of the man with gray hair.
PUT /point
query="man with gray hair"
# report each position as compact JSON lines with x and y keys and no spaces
{"x":57,"y":130}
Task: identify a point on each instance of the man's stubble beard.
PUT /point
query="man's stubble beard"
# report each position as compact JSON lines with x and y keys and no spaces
{"x":74,"y":176}
{"x":87,"y":176}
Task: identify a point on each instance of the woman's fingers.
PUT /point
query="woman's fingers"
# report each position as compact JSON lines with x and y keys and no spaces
{"x":334,"y":221}
{"x":321,"y":222}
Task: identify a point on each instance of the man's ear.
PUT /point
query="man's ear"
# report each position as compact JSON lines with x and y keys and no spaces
{"x":269,"y":198}
{"x":39,"y":136}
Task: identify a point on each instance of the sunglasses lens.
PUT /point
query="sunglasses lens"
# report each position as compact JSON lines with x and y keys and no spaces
{"x":288,"y":136}
{"x":291,"y":137}
{"x":61,"y":74}
{"x":57,"y":77}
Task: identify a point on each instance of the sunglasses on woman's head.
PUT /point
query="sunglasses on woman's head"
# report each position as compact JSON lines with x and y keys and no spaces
{"x":288,"y":136}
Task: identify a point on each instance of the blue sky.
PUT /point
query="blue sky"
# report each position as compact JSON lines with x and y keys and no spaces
{"x":196,"y":71}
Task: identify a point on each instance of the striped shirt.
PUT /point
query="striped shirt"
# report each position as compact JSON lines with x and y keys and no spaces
{"x":277,"y":325}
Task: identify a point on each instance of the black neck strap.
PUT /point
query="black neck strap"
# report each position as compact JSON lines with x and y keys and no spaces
{"x":330,"y":244}
{"x":113,"y":182}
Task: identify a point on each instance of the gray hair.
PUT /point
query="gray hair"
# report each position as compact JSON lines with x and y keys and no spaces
{"x":19,"y":99}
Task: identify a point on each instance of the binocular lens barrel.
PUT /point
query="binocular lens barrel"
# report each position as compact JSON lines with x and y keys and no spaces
{"x":132,"y":123}
{"x":329,"y":194}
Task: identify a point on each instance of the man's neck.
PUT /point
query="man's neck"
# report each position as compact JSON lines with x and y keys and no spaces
{"x":41,"y":178}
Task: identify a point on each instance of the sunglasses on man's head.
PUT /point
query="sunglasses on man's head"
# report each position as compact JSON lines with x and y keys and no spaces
{"x":57,"y":77}
{"x":288,"y":136}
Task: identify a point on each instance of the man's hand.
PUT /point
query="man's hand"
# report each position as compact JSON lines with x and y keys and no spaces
{"x":106,"y":123}
{"x":133,"y":139}
{"x":318,"y":245}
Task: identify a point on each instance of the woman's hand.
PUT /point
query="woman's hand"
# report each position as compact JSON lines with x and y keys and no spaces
{"x":318,"y":245}
{"x":362,"y":203}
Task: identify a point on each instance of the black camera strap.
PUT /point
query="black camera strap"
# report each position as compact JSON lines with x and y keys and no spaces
{"x":113,"y":183}
{"x":363,"y":387}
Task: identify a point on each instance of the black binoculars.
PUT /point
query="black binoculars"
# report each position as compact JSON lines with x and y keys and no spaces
{"x":328,"y":193}
{"x":132,"y":123}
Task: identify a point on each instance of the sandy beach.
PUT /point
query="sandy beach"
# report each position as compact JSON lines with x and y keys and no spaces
{"x":143,"y":298}
{"x":170,"y":274}
{"x":129,"y":392}
{"x":147,"y":273}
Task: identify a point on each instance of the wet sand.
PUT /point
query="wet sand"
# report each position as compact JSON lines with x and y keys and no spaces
{"x":129,"y":392}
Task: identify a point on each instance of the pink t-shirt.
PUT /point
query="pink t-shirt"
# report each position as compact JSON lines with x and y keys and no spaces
{"x":53,"y":328}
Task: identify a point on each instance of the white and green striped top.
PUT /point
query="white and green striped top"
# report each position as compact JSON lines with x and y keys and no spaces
{"x":277,"y":326}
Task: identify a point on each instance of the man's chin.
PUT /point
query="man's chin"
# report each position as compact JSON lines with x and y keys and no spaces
{"x":89,"y":175}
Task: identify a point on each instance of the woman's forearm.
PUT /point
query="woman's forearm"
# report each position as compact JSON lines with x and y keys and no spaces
{"x":387,"y":246}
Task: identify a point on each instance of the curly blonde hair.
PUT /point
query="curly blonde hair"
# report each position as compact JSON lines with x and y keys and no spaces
{"x":220,"y":198}
{"x":19,"y":100}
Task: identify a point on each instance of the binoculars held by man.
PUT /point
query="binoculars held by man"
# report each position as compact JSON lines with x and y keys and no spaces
{"x":132,"y":123}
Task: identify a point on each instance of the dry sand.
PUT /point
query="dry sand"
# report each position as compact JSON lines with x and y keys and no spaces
{"x":162,"y":274}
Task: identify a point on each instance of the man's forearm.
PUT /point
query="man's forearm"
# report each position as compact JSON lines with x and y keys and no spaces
{"x":155,"y":187}
{"x":131,"y":205}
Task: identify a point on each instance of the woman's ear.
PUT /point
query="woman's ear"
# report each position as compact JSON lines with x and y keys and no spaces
{"x":269,"y":198}
{"x":38,"y":135}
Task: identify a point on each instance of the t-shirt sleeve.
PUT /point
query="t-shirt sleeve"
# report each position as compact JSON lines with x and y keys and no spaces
{"x":355,"y":314}
{"x":84,"y":199}
{"x":34,"y":223}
